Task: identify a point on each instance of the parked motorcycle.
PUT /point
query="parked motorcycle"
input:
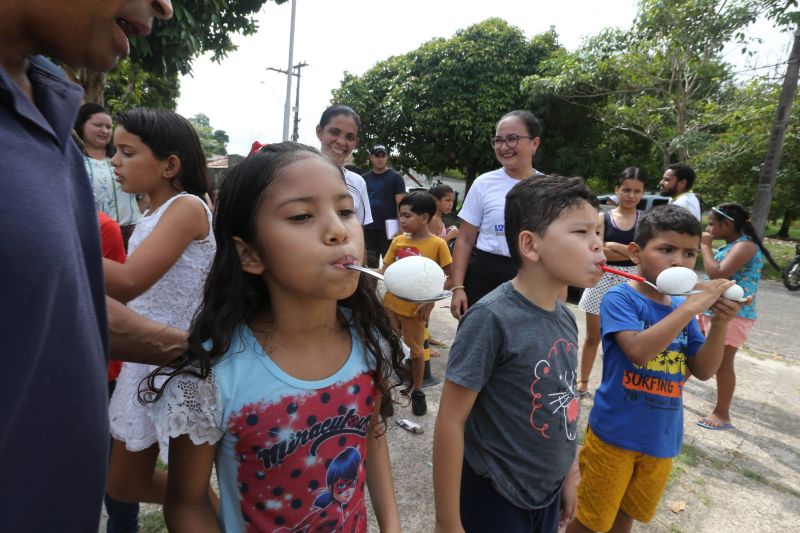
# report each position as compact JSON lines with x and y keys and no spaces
{"x":791,"y":274}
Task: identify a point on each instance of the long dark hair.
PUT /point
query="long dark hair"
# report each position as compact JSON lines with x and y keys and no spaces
{"x":86,"y":112}
{"x":167,"y":133}
{"x":742,"y":224}
{"x":232,"y":297}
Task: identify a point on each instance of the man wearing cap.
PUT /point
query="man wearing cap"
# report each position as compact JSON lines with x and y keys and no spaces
{"x":386,"y":188}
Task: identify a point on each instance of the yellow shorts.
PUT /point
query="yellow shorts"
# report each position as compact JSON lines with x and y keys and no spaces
{"x":614,"y":479}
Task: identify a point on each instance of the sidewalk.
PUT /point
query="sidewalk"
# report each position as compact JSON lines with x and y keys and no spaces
{"x":746,"y":479}
{"x":743,"y":480}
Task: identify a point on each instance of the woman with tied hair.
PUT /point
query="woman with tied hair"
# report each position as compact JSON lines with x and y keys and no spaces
{"x":337,"y":132}
{"x":482,"y":231}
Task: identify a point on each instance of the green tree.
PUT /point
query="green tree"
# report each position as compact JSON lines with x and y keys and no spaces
{"x":662,"y":80}
{"x":437,"y":106}
{"x":214,"y":141}
{"x":729,"y":166}
{"x":129,"y":86}
{"x":198,"y":27}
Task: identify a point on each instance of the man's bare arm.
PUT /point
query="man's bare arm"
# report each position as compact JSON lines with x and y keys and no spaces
{"x":136,"y":339}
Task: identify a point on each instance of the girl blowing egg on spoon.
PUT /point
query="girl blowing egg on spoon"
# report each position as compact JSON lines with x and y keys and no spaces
{"x":285,"y":345}
{"x":740,"y":259}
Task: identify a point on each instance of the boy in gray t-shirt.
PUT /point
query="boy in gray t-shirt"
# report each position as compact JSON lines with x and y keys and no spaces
{"x":505,"y":441}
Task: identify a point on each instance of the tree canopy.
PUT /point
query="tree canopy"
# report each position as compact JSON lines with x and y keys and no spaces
{"x":437,"y":106}
{"x":214,"y":141}
{"x":661,"y":80}
{"x":156,"y":61}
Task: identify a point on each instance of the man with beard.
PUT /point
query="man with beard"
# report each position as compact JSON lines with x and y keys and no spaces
{"x":677,"y":184}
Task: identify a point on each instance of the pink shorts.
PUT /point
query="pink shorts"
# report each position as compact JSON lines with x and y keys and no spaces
{"x":738,"y":328}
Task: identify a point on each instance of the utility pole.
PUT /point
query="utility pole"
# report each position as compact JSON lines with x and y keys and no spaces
{"x":297,"y":67}
{"x":295,"y":72}
{"x":772,"y":160}
{"x":287,"y":107}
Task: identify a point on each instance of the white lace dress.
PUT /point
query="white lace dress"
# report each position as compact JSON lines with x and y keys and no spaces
{"x":172,"y":300}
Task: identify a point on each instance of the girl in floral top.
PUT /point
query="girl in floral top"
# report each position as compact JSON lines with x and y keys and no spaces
{"x":740,"y":259}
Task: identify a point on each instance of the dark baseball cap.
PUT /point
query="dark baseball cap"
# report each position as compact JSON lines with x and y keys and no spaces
{"x":379,"y":148}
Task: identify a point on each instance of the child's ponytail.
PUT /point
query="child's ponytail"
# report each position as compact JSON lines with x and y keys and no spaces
{"x":741,"y":223}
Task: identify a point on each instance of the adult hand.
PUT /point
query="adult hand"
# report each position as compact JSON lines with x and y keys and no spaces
{"x":458,"y":304}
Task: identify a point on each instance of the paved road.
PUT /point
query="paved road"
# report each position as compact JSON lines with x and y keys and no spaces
{"x":778,"y":324}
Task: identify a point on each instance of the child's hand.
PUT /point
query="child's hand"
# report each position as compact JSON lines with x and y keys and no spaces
{"x":569,"y":497}
{"x":724,"y":310}
{"x":706,"y":239}
{"x":712,"y":291}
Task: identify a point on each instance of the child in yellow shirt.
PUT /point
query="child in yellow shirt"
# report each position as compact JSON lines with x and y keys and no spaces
{"x":415,"y":212}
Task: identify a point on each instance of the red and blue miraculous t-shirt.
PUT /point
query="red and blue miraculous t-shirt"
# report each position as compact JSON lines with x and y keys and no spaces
{"x":291,"y":454}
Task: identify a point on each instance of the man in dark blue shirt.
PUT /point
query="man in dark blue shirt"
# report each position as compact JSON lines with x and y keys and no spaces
{"x":55,"y":318}
{"x":386,"y":187}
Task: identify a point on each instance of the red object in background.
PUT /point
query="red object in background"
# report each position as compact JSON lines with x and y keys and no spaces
{"x":255,"y":147}
{"x":622,"y":273}
{"x":114,"y":249}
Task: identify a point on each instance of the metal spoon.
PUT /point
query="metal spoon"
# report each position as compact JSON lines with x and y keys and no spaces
{"x":365,"y":270}
{"x":642,"y":280}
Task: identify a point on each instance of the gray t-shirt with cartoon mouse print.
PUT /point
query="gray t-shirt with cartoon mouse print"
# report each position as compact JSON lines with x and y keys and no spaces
{"x":522,"y":431}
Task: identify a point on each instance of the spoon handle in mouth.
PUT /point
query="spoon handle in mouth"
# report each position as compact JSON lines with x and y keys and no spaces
{"x":622,"y":273}
{"x":365,"y":270}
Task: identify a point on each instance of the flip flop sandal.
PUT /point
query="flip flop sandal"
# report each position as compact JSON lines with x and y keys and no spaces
{"x":707,"y":424}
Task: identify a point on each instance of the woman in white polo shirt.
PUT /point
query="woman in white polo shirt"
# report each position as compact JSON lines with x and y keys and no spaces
{"x":337,"y":132}
{"x":516,"y":139}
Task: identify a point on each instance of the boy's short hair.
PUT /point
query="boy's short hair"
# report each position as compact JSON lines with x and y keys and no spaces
{"x":420,"y":202}
{"x":535,"y":202}
{"x":683,"y":172}
{"x":666,"y":218}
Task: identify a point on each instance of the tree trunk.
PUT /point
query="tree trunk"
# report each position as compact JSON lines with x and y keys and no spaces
{"x":783,"y":232}
{"x":93,"y":84}
{"x":769,"y":168}
{"x":469,"y":176}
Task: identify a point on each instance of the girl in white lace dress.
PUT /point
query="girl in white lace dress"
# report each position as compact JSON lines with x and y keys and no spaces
{"x":170,"y":251}
{"x":286,"y":384}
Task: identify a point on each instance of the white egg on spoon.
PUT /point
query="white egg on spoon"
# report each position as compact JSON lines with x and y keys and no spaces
{"x":734,"y":292}
{"x":416,"y":279}
{"x":676,"y":280}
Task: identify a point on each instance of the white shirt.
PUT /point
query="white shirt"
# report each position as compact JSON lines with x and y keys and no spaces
{"x":689,"y":201}
{"x":358,"y":190}
{"x":485,"y":208}
{"x":108,"y":196}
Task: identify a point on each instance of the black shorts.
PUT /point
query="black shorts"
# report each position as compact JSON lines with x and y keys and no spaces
{"x":484,"y":509}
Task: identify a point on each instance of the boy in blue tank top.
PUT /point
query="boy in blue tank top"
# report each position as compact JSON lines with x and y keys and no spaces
{"x":651,"y":345}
